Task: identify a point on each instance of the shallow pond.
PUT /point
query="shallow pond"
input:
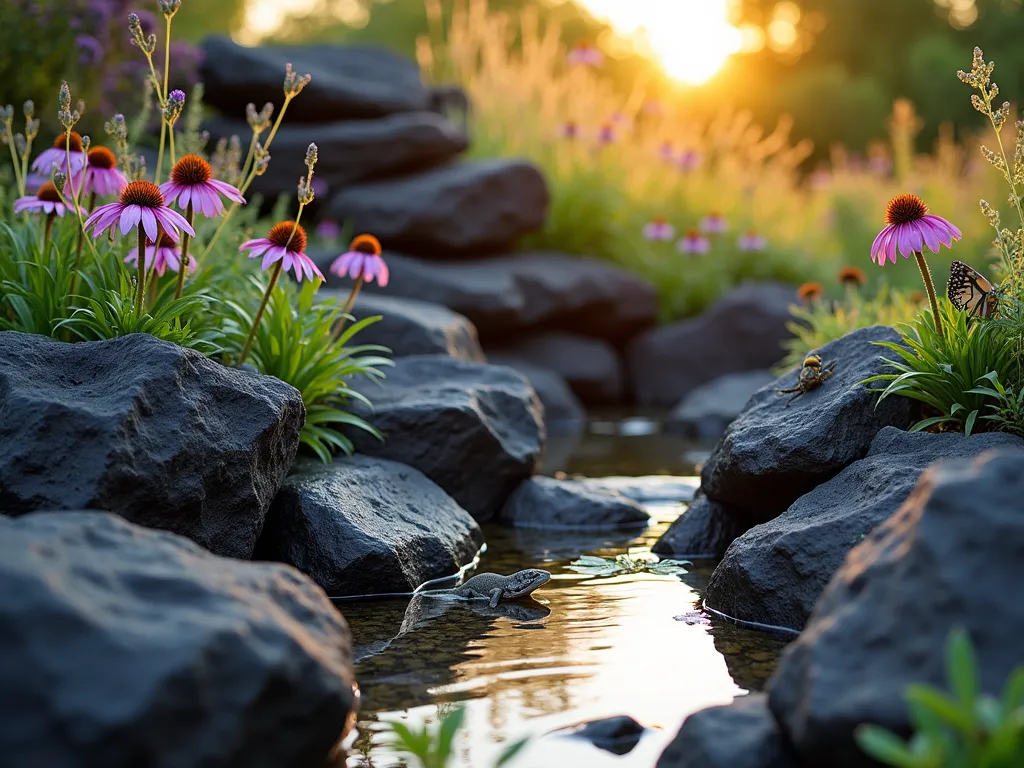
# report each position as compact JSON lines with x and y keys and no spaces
{"x":586,"y":648}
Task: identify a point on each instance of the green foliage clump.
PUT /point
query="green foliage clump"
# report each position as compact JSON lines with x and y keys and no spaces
{"x":816,"y":324}
{"x":962,"y":729}
{"x":436,"y":748}
{"x":57,"y":280}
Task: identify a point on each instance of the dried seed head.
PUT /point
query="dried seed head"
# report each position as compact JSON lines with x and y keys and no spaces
{"x":86,"y":143}
{"x":174,"y":106}
{"x":58,"y":177}
{"x":294,"y":82}
{"x":29,"y":109}
{"x":64,"y":96}
{"x":20,"y":144}
{"x":169,"y":7}
{"x":311,"y":157}
{"x":306,"y":194}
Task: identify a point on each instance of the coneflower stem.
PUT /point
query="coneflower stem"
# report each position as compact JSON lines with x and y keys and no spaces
{"x":259,"y":313}
{"x":347,"y":309}
{"x":48,"y":230}
{"x":926,"y":275}
{"x":160,"y":154}
{"x":141,"y":295}
{"x":78,"y":251}
{"x":170,"y":135}
{"x":183,"y":264}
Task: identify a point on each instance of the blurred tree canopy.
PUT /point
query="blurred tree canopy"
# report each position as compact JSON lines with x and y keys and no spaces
{"x":834,"y":65}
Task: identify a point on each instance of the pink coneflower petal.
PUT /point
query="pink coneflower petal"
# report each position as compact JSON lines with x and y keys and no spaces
{"x":149,"y":224}
{"x":383,"y":274}
{"x":130,"y":218}
{"x":227,"y":190}
{"x":357,"y":265}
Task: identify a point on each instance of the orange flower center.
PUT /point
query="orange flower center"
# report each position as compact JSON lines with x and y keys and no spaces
{"x":48,"y":192}
{"x":76,"y":142}
{"x":191,"y":170}
{"x":101,"y":157}
{"x":852,"y":275}
{"x":144,"y":193}
{"x":282,"y":236}
{"x":810,"y":291}
{"x":366,"y":244}
{"x":693,"y":234}
{"x":904,"y":209}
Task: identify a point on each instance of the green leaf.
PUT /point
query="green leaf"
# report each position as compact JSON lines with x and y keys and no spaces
{"x":884,"y":746}
{"x":961,"y":669}
{"x":509,"y":753}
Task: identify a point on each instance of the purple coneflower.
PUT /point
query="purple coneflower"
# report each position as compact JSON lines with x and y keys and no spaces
{"x":192,"y":183}
{"x":607,"y":134}
{"x":714,"y":224}
{"x":752,"y":242}
{"x":161,"y":256}
{"x":102,"y":176}
{"x":810,"y":293}
{"x":362,"y":261}
{"x":140,"y":205}
{"x":909,"y":229}
{"x":570,"y":131}
{"x":70,"y":162}
{"x":689,"y":160}
{"x":694,"y":242}
{"x":285,"y":243}
{"x":46,"y":200}
{"x":584,"y":54}
{"x":659,"y":230}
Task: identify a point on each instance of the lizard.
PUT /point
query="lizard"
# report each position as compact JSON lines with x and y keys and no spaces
{"x":495,"y":588}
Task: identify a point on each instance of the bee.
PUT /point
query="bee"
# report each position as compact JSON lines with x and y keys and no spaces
{"x":812,"y":376}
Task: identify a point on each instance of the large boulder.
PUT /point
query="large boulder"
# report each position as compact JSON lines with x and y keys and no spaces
{"x":704,"y":531}
{"x":544,"y":502}
{"x":591,"y":367}
{"x":950,"y":557}
{"x":774,"y":573}
{"x":410,"y":327}
{"x":710,"y":408}
{"x":475,"y":430}
{"x":364,"y":526}
{"x":456,"y":210}
{"x":159,"y":434}
{"x":773,"y":454}
{"x":742,"y":734}
{"x":349,"y":82}
{"x":508,"y":296}
{"x":742,"y":331}
{"x":123,"y":646}
{"x":351,"y":151}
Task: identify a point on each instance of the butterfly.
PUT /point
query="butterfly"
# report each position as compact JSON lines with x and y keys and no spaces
{"x":970,"y":291}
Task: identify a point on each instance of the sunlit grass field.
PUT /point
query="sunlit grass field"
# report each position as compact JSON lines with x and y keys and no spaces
{"x":623,"y":168}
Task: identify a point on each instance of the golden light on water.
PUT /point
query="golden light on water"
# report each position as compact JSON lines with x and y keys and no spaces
{"x":691,"y":39}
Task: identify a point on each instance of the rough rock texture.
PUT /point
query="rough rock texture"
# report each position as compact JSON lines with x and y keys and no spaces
{"x":475,"y":430}
{"x":772,"y":455}
{"x":705,"y":530}
{"x":363,"y":526}
{"x":507,"y":296}
{"x":742,"y":331}
{"x":711,"y":407}
{"x":349,"y":82}
{"x":774,"y":573}
{"x":124,"y":647}
{"x":156,"y":433}
{"x":563,"y":412}
{"x":351,"y":151}
{"x":411,"y":327}
{"x":456,"y":210}
{"x":543,"y":502}
{"x":591,"y":367}
{"x":646,"y":489}
{"x":950,"y":557}
{"x":739,"y":735}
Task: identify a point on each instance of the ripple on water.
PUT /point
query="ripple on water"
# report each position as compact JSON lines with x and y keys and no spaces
{"x":585,"y":649}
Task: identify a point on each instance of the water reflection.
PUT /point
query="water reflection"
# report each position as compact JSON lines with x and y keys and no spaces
{"x":585,"y":649}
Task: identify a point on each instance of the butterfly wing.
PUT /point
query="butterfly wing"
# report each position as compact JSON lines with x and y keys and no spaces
{"x":970,"y":291}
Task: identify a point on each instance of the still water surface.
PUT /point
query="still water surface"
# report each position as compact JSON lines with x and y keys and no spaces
{"x":586,"y":648}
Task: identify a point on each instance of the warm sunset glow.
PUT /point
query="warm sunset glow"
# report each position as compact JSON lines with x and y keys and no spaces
{"x":691,"y":38}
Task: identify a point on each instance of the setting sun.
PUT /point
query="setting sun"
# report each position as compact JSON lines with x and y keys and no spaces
{"x":691,"y":38}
